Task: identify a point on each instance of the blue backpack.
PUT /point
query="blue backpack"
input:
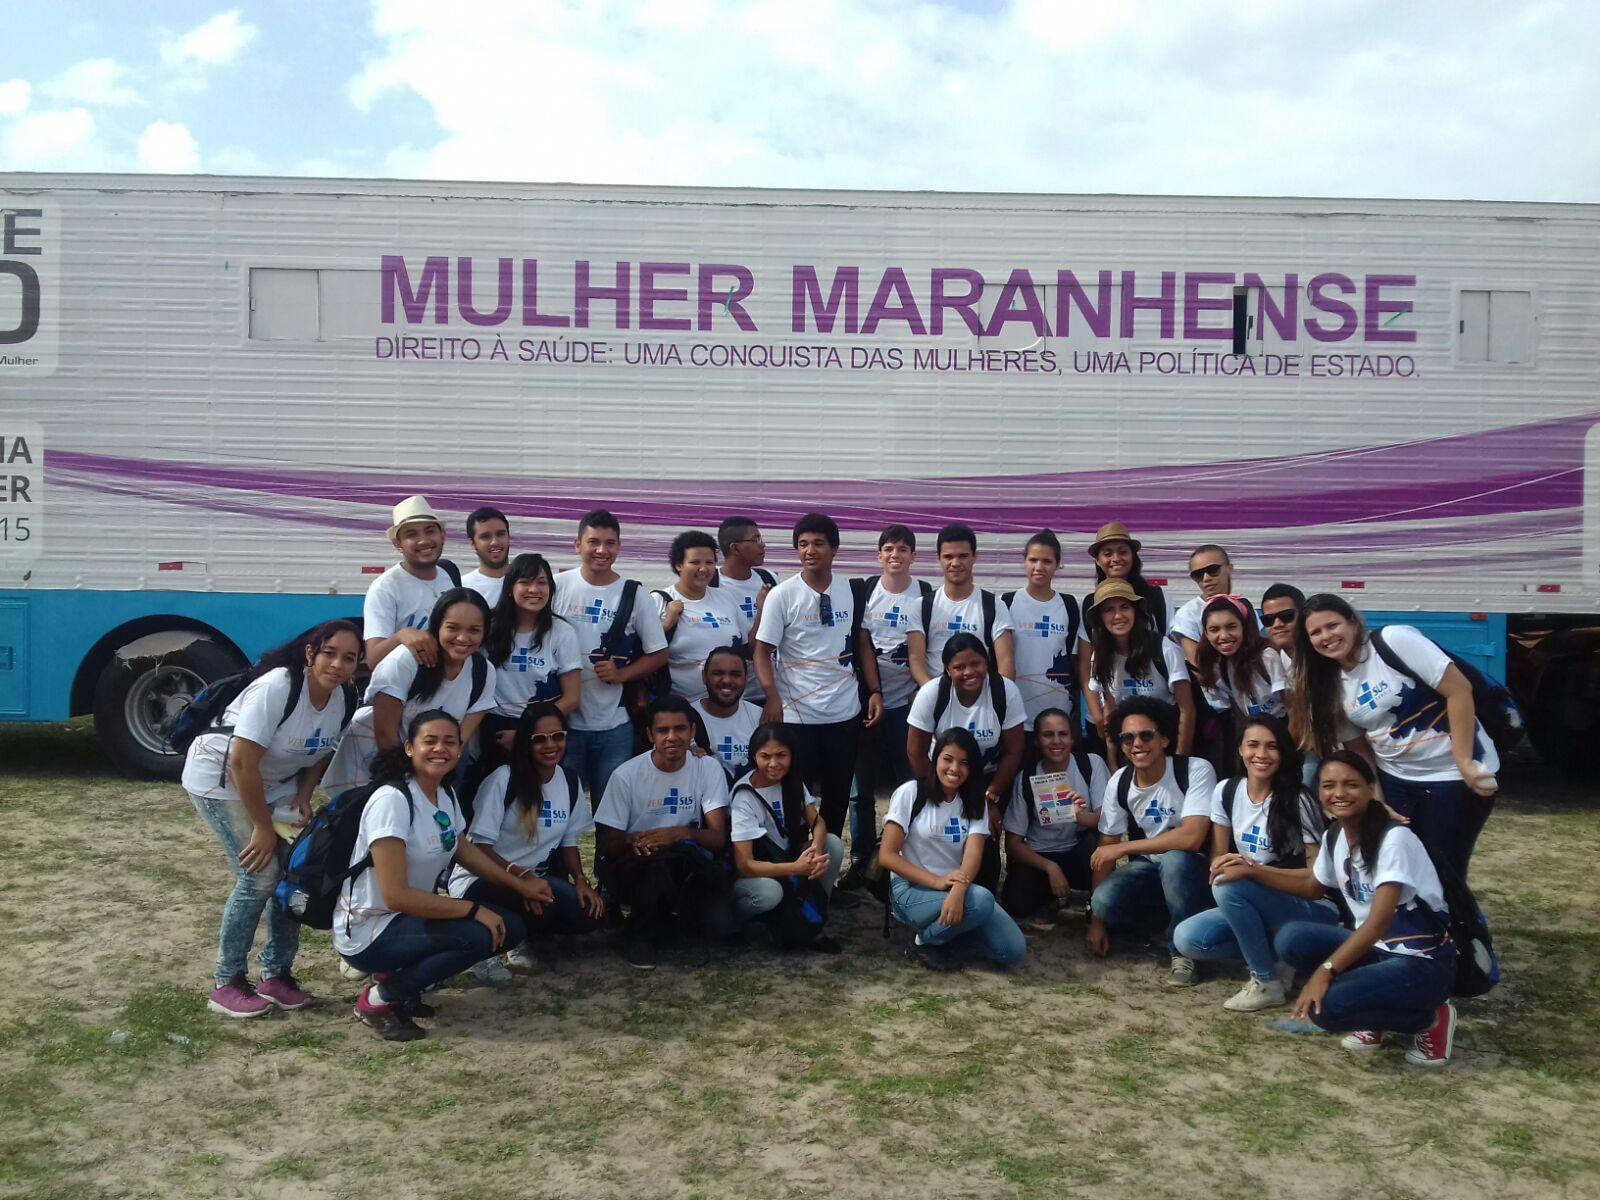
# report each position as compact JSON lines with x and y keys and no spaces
{"x":1496,"y":711}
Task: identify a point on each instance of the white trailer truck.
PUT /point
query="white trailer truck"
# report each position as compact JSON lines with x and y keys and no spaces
{"x":212,"y":390}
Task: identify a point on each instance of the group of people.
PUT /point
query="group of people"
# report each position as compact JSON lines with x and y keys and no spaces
{"x":1270,"y":785}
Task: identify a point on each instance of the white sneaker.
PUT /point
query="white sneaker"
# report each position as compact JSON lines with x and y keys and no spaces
{"x":1362,"y":1040}
{"x":490,"y":971}
{"x":1182,"y":974}
{"x":521,"y":958}
{"x":1255,"y":996}
{"x":352,"y":973}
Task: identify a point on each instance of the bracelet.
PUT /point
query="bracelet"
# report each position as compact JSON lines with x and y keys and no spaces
{"x":1329,"y":968}
{"x":472,"y":913}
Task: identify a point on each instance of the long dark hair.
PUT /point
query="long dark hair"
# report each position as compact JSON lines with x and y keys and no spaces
{"x":792,"y":789}
{"x":525,"y":787}
{"x":502,"y":631}
{"x":1240,"y":671}
{"x":1316,"y":689}
{"x":1375,"y":821}
{"x":1143,"y":645}
{"x":292,"y":654}
{"x":971,"y":794}
{"x":392,"y":766}
{"x":429,"y":679}
{"x":1285,"y":829}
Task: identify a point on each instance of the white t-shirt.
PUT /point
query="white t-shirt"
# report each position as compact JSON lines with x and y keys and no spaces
{"x":305,"y":739}
{"x":705,"y":624}
{"x":1161,"y":807}
{"x":951,"y":617}
{"x":1046,"y":660}
{"x":1151,"y":684}
{"x":750,"y":819}
{"x":936,"y":841}
{"x":815,"y":662}
{"x":1409,"y":730}
{"x":890,"y":616}
{"x":352,"y":765}
{"x":1249,"y":822}
{"x":1265,"y":694}
{"x":745,"y":593}
{"x":430,"y":834}
{"x":641,"y":796}
{"x":1051,"y":826}
{"x":730,"y":736}
{"x":497,"y":822}
{"x":487,"y":586}
{"x":534,"y":673}
{"x":979,"y":719}
{"x":590,"y":609}
{"x":1185,"y":622}
{"x":1403,"y":860}
{"x":399,"y":600}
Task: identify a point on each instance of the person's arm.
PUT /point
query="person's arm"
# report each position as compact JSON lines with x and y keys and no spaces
{"x":954,"y":908}
{"x":918,"y":743}
{"x":306,"y":784}
{"x":867,"y":658}
{"x":419,"y":641}
{"x":469,"y":725}
{"x":1385,"y":903}
{"x":1293,"y":881}
{"x":607,"y":671}
{"x":588,"y":899}
{"x":1190,"y":648}
{"x":671,"y":614}
{"x":1097,"y":938}
{"x":1220,"y":837}
{"x":750,"y":867}
{"x":493,"y":870}
{"x":386,"y":713}
{"x":1091,"y":698}
{"x":1013,"y":741}
{"x":1463,"y":717}
{"x":712,"y":836}
{"x":890,"y":859}
{"x":917,"y":656}
{"x":571,"y":692}
{"x":1188,"y":835}
{"x":244,"y":767}
{"x":1183,"y":697}
{"x":1005,"y":658}
{"x":772,"y":711}
{"x":1018,"y":851}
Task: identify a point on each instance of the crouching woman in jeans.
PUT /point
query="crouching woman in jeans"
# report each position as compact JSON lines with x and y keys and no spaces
{"x":1394,"y":973}
{"x":933,"y":839}
{"x":389,"y":922}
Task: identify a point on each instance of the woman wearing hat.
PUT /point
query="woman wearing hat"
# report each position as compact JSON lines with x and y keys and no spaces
{"x":1116,"y":556}
{"x":1129,"y":658}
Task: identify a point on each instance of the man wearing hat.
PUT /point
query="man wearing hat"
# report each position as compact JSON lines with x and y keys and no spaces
{"x":400,"y":601}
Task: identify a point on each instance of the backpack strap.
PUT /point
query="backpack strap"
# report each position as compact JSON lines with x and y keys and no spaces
{"x":1027,"y":791}
{"x":1158,"y":662}
{"x":1180,"y":771}
{"x":1080,"y":755}
{"x":1070,"y":603}
{"x":619,"y":624}
{"x":1157,"y":608}
{"x":480,"y":678}
{"x":1009,"y":597}
{"x":451,"y":571}
{"x":766,"y":576}
{"x":997,"y":696}
{"x":572,"y":788}
{"x":860,"y":593}
{"x":1230,"y":791}
{"x":666,"y":599}
{"x":986,"y":599}
{"x":1393,"y":660}
{"x":1124,"y":790}
{"x":941,"y":701}
{"x":927,"y":609}
{"x":351,"y":698}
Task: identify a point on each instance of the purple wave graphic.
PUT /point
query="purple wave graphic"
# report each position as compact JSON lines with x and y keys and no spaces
{"x":1494,"y":474}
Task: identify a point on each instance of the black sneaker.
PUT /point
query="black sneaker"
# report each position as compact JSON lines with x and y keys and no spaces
{"x":391,"y":1022}
{"x":640,"y":955}
{"x":933,"y":958}
{"x":857,"y":878}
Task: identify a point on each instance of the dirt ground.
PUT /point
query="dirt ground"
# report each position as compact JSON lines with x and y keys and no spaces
{"x":753,"y":1075}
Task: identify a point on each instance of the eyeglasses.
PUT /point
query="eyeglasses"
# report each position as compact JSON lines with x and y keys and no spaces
{"x":1283,"y":616}
{"x":1142,"y":736}
{"x":757,"y":540}
{"x":447,"y":835}
{"x":558,"y":738}
{"x":825,"y":609}
{"x":1210,"y":572}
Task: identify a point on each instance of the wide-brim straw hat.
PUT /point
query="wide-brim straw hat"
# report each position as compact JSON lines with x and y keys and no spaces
{"x":1117,"y":589}
{"x":1113,"y":531}
{"x":409,"y":511}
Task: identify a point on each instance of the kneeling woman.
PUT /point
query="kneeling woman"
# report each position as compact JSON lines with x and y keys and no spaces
{"x":389,"y":922}
{"x":527,"y":817}
{"x":1261,"y":825}
{"x":933,"y":842}
{"x":781,"y":849}
{"x":1395,"y":972}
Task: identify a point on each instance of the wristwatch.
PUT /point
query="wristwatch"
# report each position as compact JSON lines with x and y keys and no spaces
{"x":1330,"y":968}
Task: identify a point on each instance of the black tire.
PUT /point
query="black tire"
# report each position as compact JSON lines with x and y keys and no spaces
{"x":1564,"y":718}
{"x":136,"y":698}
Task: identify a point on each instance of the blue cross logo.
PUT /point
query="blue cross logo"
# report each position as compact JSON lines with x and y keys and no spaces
{"x":894,"y":618}
{"x":1045,"y":627}
{"x":727,"y":747}
{"x":1358,"y":888}
{"x":953,"y":829}
{"x":1364,"y":696}
{"x":1154,"y":813}
{"x":1137,"y":687}
{"x":416,"y":621}
{"x":547,"y":814}
{"x":674,"y":800}
{"x":316,"y":741}
{"x":593,"y":610}
{"x":710,"y":618}
{"x":1255,"y":842}
{"x":523,"y":659}
{"x":960,"y":626}
{"x":748,"y":606}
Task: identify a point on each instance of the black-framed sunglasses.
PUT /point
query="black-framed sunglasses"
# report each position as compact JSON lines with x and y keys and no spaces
{"x":825,"y":609}
{"x":1283,"y":616}
{"x":1144,"y":736}
{"x":1210,"y":572}
{"x":558,"y":738}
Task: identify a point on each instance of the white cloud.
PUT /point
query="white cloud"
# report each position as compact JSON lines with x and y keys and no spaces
{"x":14,"y":96}
{"x":169,"y":148}
{"x":214,"y":43}
{"x":101,"y":82}
{"x":49,"y":140}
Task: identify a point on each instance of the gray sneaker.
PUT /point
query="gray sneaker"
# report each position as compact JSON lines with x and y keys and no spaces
{"x":1182,"y":974}
{"x":1255,"y":996}
{"x":490,"y":971}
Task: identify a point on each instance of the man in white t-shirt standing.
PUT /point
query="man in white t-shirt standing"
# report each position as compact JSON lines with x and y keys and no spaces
{"x":400,"y":601}
{"x":957,"y":606}
{"x":1212,"y":572}
{"x":806,"y":659}
{"x":891,"y":633}
{"x":1045,"y":631}
{"x":614,"y":652}
{"x":743,"y":552}
{"x":490,"y":535}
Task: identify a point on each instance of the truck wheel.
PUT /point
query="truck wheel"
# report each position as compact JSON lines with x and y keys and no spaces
{"x":1565,"y":719}
{"x":136,"y":699}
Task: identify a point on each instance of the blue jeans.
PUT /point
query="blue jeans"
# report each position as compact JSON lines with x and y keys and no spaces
{"x":1447,"y":816}
{"x":562,"y":915}
{"x":985,"y":927}
{"x":1172,"y":884}
{"x":595,"y":754}
{"x":1397,"y":992}
{"x":756,"y":896}
{"x":419,"y":953}
{"x":252,"y":892}
{"x":1242,"y":925}
{"x":880,"y":756}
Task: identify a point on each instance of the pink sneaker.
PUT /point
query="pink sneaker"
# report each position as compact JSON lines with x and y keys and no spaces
{"x":281,"y":991}
{"x":391,"y":1021}
{"x":237,"y":998}
{"x":1362,"y":1039}
{"x":1431,"y":1047}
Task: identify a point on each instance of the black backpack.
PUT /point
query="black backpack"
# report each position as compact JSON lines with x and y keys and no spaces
{"x":204,"y":713}
{"x":803,"y":911}
{"x":767,"y":577}
{"x":1080,"y":756}
{"x":1496,"y":711}
{"x":1288,"y":862}
{"x":1071,"y":605}
{"x":451,"y":571}
{"x":986,"y":598}
{"x":1180,"y":772}
{"x":997,"y":697}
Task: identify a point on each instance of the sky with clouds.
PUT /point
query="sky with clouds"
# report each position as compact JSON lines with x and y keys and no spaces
{"x":1431,"y":98}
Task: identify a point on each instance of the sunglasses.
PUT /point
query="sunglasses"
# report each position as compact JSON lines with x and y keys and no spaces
{"x":1142,"y":736}
{"x":447,"y":835}
{"x":1210,"y":572}
{"x":1282,"y":617}
{"x":825,"y":609}
{"x":558,"y":738}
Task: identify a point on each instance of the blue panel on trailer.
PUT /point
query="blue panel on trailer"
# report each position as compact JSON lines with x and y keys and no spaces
{"x":1480,"y":642}
{"x":13,"y":659}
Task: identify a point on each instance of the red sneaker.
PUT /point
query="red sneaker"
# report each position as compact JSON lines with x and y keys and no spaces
{"x":1431,"y":1047}
{"x":281,"y":991}
{"x":237,"y":998}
